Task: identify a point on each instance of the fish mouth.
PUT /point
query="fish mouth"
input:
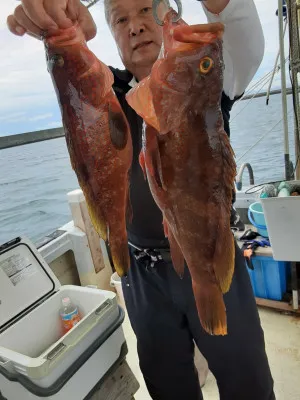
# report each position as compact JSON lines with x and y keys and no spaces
{"x":198,"y":34}
{"x":142,"y":44}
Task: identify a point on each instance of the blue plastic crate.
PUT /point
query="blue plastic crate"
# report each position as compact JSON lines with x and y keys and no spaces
{"x":269,"y":277}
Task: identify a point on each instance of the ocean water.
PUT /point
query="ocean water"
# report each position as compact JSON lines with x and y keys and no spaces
{"x":35,"y":178}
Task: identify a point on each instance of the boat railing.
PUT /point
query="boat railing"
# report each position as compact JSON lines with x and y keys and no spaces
{"x":239,"y":178}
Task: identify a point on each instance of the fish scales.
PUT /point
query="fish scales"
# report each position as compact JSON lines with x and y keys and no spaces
{"x":188,"y":160}
{"x":97,"y":135}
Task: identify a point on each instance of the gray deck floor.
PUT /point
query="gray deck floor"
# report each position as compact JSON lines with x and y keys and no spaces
{"x":282,"y":334}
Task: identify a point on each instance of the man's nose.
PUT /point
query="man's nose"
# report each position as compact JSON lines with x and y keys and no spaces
{"x":136,"y":28}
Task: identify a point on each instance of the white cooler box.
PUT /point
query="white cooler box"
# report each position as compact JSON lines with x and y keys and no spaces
{"x":36,"y":359}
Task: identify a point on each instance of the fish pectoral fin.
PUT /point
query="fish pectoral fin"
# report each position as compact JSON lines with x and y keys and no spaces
{"x":176,"y":253}
{"x":142,"y":163}
{"x":118,"y":125}
{"x":140,"y":99}
{"x":154,"y":166}
{"x":211,"y":307}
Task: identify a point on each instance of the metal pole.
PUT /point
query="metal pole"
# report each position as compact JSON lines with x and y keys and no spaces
{"x":295,"y":69}
{"x":276,"y":67}
{"x":283,"y":92}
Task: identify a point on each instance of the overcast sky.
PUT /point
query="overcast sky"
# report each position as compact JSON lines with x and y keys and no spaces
{"x":28,"y":101}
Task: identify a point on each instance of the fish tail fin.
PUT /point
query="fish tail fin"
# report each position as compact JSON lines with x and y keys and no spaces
{"x":176,"y":253}
{"x":211,"y":308}
{"x":119,"y":252}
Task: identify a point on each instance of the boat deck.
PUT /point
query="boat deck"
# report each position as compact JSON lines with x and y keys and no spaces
{"x":282,"y":335}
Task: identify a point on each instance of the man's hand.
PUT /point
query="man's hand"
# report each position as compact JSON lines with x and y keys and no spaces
{"x":35,"y":16}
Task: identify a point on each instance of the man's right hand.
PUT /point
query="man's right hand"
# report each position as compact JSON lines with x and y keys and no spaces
{"x":35,"y":16}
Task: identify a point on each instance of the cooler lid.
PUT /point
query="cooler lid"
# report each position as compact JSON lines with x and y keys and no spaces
{"x":25,"y":280}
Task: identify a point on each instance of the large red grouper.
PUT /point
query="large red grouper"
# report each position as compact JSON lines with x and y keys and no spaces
{"x":188,"y":160}
{"x":97,"y":135}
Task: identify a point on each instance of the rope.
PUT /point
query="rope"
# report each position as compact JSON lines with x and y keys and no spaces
{"x":264,"y":81}
{"x":259,"y":140}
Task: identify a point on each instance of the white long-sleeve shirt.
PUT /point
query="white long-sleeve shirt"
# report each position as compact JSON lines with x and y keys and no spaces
{"x":243,"y":44}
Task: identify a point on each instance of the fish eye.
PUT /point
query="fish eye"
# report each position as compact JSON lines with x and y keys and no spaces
{"x":58,"y":60}
{"x":206,"y":65}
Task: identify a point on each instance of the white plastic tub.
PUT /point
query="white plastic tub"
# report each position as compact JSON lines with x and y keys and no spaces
{"x":115,"y":282}
{"x":31,"y":340}
{"x":282,"y":215}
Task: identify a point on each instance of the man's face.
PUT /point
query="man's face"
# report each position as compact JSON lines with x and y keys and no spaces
{"x":136,"y":33}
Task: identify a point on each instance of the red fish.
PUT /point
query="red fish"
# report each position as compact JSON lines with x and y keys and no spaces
{"x":97,"y":135}
{"x":188,"y":160}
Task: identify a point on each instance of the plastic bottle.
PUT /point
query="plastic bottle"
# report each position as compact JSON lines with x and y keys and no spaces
{"x":284,"y":192}
{"x":69,"y":314}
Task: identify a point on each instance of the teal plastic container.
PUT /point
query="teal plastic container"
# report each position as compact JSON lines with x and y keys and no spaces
{"x":257,"y":218}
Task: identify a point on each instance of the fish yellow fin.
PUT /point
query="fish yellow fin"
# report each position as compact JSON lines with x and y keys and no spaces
{"x":140,"y":99}
{"x":95,"y":213}
{"x":211,"y":307}
{"x":176,"y":253}
{"x":224,"y":257}
{"x":96,"y":216}
{"x":119,"y":252}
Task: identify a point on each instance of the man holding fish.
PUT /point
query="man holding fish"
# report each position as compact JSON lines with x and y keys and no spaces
{"x":161,"y":305}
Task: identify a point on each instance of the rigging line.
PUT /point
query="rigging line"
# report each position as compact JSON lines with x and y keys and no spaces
{"x":259,"y":140}
{"x":249,"y":101}
{"x":264,"y":82}
{"x":263,"y":78}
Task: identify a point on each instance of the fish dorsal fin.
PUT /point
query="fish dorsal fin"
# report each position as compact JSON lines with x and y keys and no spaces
{"x":224,"y":257}
{"x":140,"y":99}
{"x":118,"y":126}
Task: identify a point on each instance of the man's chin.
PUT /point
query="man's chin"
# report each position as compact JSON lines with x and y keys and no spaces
{"x":145,"y":60}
